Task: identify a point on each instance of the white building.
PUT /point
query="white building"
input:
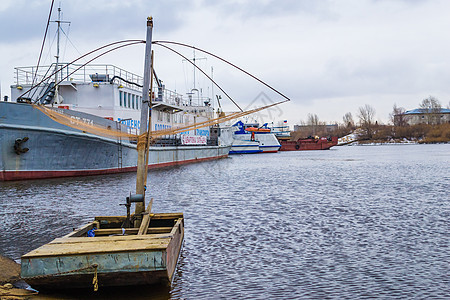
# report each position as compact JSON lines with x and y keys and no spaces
{"x":423,"y":116}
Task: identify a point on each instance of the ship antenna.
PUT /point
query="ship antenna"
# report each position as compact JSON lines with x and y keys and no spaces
{"x":57,"y":51}
{"x":43,"y":43}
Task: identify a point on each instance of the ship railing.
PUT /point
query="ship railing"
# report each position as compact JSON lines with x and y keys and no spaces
{"x":102,"y":73}
{"x":174,"y":98}
{"x":169,"y":97}
{"x":85,"y":74}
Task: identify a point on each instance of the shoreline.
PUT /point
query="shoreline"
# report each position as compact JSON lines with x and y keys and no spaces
{"x":380,"y":143}
{"x":9,"y":275}
{"x":9,"y":270}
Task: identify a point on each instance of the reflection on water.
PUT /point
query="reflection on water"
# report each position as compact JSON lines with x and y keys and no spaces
{"x":141,"y":292}
{"x":351,"y":222}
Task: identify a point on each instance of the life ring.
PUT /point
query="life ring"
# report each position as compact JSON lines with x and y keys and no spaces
{"x":297,"y":147}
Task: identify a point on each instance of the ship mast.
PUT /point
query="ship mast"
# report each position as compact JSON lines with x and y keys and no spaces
{"x":58,"y":21}
{"x":145,"y":111}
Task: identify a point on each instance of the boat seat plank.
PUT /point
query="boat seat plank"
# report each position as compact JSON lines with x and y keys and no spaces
{"x":157,"y":216}
{"x":98,"y":247}
{"x":114,"y":238}
{"x":118,"y":231}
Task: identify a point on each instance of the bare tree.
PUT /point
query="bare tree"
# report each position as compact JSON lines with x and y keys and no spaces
{"x":366,"y":115}
{"x":432,"y":109}
{"x":398,"y":117}
{"x":348,"y":120}
{"x":313,"y":121}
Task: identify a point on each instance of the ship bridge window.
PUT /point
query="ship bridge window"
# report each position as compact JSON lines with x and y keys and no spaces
{"x":129,"y":100}
{"x":121,"y":98}
{"x":132,"y":101}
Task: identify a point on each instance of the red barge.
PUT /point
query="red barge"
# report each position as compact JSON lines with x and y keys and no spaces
{"x":309,"y":144}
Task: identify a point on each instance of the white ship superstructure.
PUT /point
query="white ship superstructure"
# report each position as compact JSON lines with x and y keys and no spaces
{"x":104,"y":96}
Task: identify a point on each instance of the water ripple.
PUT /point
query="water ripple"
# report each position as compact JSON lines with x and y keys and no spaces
{"x":351,"y":222}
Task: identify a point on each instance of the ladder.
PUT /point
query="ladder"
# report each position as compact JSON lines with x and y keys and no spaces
{"x":119,"y":145}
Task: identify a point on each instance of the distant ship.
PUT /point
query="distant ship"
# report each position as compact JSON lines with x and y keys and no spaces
{"x":283,"y":134}
{"x":250,"y":138}
{"x":310,"y":143}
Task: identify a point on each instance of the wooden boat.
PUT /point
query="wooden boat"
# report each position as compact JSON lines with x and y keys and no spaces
{"x":137,"y":249}
{"x":116,"y":256}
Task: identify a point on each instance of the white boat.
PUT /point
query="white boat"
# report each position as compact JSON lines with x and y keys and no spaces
{"x":250,"y":138}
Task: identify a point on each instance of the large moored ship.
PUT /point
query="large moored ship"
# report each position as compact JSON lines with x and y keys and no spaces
{"x":35,"y":145}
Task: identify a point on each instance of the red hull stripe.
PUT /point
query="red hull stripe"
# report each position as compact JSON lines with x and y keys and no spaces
{"x":20,"y":175}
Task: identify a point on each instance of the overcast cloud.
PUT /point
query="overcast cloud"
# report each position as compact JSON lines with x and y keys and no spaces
{"x":330,"y":57}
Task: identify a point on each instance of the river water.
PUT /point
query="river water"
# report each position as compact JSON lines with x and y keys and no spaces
{"x":352,"y":222}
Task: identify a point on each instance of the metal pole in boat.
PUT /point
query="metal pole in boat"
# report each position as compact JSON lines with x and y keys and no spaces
{"x":142,"y":140}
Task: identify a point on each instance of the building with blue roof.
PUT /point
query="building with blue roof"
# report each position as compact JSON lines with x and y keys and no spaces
{"x":425,"y":116}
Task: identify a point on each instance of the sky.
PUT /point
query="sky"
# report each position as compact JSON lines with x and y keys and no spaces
{"x":329,"y":57}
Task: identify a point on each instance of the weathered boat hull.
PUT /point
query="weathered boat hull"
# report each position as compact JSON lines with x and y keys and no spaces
{"x":72,"y":262}
{"x":56,"y":150}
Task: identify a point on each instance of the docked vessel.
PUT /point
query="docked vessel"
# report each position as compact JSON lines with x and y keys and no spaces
{"x":250,"y":138}
{"x":33,"y":145}
{"x":311,"y":143}
{"x":282,"y":131}
{"x":283,"y":135}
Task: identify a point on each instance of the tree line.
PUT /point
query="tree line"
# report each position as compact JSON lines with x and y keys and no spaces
{"x":431,"y":130}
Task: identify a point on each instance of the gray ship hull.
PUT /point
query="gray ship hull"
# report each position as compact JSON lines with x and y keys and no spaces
{"x":56,"y":150}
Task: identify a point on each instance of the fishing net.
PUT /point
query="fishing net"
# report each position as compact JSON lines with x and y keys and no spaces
{"x":110,"y":132}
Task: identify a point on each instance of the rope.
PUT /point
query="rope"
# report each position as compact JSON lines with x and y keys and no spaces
{"x":109,"y":132}
{"x":95,"y":280}
{"x":187,"y":59}
{"x":224,"y":60}
{"x":130,"y":42}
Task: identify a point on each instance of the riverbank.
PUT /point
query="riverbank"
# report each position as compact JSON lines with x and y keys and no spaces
{"x":387,"y":134}
{"x":9,"y":271}
{"x":379,"y":143}
{"x":10,"y":274}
